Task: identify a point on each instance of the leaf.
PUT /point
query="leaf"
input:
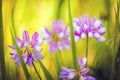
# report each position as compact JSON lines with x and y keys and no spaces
{"x":46,"y":72}
{"x":72,"y":38}
{"x":2,"y":56}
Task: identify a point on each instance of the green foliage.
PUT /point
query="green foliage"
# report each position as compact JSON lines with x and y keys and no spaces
{"x":72,"y":38}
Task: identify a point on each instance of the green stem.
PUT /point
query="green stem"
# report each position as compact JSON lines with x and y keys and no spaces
{"x":115,"y":44}
{"x":59,"y":8}
{"x":72,"y":38}
{"x":108,"y":8}
{"x":25,"y":70}
{"x":86,"y":49}
{"x":36,"y":71}
{"x":2,"y":56}
{"x":46,"y":72}
{"x":58,"y":63}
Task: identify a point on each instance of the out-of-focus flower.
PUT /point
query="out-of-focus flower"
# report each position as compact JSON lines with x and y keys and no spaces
{"x":84,"y":71}
{"x":58,"y":37}
{"x":29,"y":49}
{"x":71,"y":73}
{"x":84,"y":26}
{"x":82,"y":62}
{"x":86,"y":78}
{"x":67,"y":73}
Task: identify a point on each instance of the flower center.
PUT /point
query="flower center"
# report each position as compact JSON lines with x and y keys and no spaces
{"x":27,"y":49}
{"x":55,"y":37}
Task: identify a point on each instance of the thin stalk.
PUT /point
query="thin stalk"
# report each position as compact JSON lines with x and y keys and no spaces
{"x":115,"y":44}
{"x":25,"y":70}
{"x":108,"y":9}
{"x":2,"y":56}
{"x":72,"y":38}
{"x":86,"y":49}
{"x":59,"y":8}
{"x":36,"y":71}
{"x":45,"y":71}
{"x":58,"y":63}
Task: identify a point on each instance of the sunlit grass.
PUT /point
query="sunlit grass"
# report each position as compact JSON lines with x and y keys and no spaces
{"x":35,"y":14}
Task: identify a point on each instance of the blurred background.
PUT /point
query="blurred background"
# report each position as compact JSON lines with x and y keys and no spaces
{"x":34,"y":15}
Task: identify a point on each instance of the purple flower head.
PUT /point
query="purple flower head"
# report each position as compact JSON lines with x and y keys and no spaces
{"x":71,"y":73}
{"x":84,"y":26}
{"x":82,"y":62}
{"x":86,"y":78}
{"x":30,"y":49}
{"x":67,"y":73}
{"x":84,"y":71}
{"x":58,"y":37}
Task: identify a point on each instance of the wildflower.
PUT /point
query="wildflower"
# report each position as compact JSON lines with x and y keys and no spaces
{"x":84,"y":71}
{"x":29,"y":49}
{"x":71,"y":73}
{"x":84,"y":26}
{"x":58,"y":37}
{"x":67,"y":73}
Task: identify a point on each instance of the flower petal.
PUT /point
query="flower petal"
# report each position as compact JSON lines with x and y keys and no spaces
{"x":83,"y":35}
{"x":77,"y":38}
{"x":82,"y":78}
{"x":84,"y":71}
{"x":40,"y":56}
{"x":24,"y":56}
{"x":53,"y":47}
{"x":19,"y":42}
{"x":97,"y":24}
{"x":26,"y":39}
{"x":67,"y":73}
{"x":90,"y":78}
{"x":57,"y":26}
{"x":12,"y":47}
{"x":37,"y":48}
{"x":96,"y":35}
{"x":101,"y":39}
{"x":102,"y":30}
{"x":82,"y":62}
{"x":35,"y":38}
{"x":90,"y":34}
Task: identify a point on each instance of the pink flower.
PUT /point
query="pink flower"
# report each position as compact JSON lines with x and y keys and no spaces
{"x":84,"y":26}
{"x":58,"y":37}
{"x":29,"y":49}
{"x":84,"y":71}
{"x":68,"y":74}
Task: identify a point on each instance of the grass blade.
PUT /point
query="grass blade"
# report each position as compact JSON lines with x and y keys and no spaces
{"x":115,"y":42}
{"x":60,"y":3}
{"x":25,"y":70}
{"x":58,"y":63}
{"x":20,"y":56}
{"x":72,"y":37}
{"x":2,"y":56}
{"x":46,"y":72}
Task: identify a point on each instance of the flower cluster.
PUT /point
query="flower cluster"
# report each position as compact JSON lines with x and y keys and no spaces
{"x":29,"y":49}
{"x":58,"y":37}
{"x":83,"y":26}
{"x":71,"y":73}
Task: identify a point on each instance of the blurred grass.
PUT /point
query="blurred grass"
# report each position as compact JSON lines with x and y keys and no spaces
{"x":33,"y":15}
{"x":2,"y":52}
{"x":102,"y":61}
{"x":72,"y":37}
{"x":115,"y":40}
